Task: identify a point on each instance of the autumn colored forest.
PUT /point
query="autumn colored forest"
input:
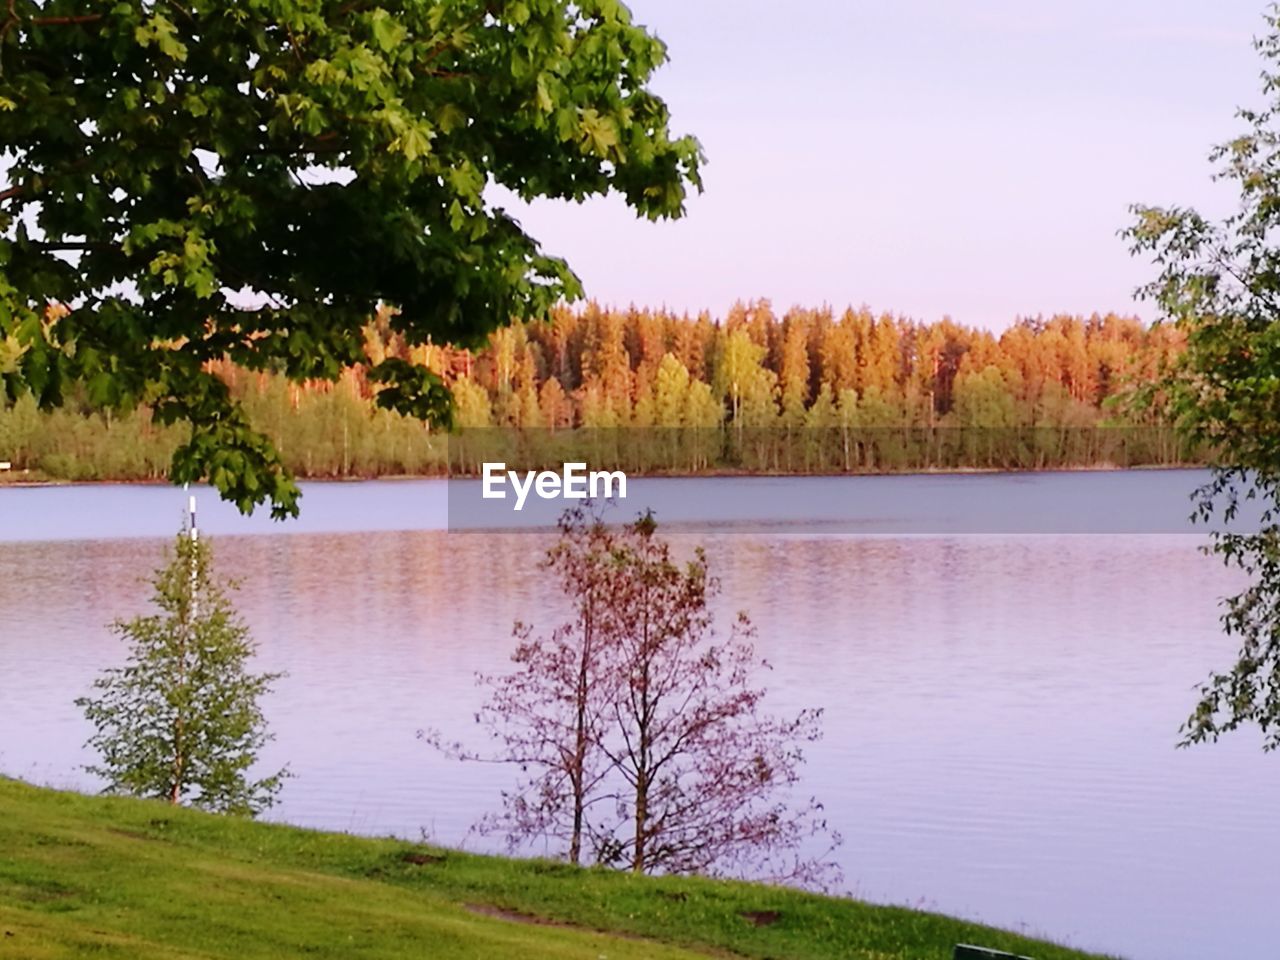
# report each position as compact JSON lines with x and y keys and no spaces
{"x":805,"y":391}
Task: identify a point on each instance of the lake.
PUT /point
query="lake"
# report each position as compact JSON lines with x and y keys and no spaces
{"x":1004,"y":662}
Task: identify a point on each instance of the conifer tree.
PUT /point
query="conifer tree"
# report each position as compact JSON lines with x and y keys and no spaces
{"x":557,"y":411}
{"x":793,"y":374}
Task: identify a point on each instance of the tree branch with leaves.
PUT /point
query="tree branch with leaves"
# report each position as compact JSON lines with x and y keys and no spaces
{"x":1219,"y":284}
{"x":251,"y":181}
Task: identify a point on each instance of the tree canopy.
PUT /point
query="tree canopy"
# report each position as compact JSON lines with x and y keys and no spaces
{"x":187,"y":183}
{"x":1219,"y":283}
{"x":827,"y":392}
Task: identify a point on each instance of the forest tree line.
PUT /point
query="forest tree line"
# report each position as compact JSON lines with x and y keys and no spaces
{"x":805,"y":391}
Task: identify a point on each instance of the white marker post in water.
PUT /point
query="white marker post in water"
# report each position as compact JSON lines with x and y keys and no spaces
{"x":194,"y":534}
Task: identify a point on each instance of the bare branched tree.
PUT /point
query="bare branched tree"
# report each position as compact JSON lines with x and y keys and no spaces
{"x":641,"y":736}
{"x":547,"y":715}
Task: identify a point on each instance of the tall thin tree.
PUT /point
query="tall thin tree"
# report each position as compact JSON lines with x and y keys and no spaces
{"x":181,"y":720}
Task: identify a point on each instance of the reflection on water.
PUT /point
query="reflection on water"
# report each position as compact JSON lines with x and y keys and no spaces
{"x":1000,"y":711}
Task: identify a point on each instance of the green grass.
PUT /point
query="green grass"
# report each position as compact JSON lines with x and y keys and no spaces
{"x":102,"y":877}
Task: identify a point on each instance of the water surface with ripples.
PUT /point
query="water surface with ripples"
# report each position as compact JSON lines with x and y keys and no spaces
{"x":1001,"y":707}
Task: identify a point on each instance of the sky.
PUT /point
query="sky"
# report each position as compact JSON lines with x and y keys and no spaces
{"x":925,"y":157}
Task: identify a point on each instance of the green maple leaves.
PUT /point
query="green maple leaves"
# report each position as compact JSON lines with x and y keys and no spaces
{"x":1218,"y":283}
{"x":159,"y":30}
{"x":309,"y":158}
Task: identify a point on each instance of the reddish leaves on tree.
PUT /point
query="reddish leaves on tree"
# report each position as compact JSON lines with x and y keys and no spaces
{"x":641,"y":736}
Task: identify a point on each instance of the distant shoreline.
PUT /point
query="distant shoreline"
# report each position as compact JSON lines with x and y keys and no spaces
{"x":16,"y":480}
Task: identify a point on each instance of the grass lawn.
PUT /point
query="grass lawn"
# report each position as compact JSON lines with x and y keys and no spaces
{"x":98,"y":877}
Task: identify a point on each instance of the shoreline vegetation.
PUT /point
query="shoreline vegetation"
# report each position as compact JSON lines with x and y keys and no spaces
{"x":654,"y":393}
{"x":31,"y":479}
{"x":138,"y":878}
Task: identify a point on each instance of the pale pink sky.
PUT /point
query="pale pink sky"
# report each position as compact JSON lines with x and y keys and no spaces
{"x":923,"y":156}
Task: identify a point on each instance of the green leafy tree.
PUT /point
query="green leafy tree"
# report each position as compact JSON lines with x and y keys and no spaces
{"x":531,"y":408}
{"x":251,"y":180}
{"x":597,"y":413}
{"x":820,"y":421}
{"x":985,"y":410}
{"x":759,"y":399}
{"x":875,"y":410}
{"x":671,"y":393}
{"x":738,"y":366}
{"x":642,"y":411}
{"x":181,"y":721}
{"x":472,"y":407}
{"x":703,"y":415}
{"x":703,"y":409}
{"x":849,"y":419}
{"x":983,"y":400}
{"x":1218,"y":284}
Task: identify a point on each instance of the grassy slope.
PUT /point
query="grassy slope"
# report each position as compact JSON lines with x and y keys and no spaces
{"x":88,"y":876}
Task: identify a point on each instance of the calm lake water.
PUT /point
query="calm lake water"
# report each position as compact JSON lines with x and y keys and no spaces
{"x":1001,"y":708}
